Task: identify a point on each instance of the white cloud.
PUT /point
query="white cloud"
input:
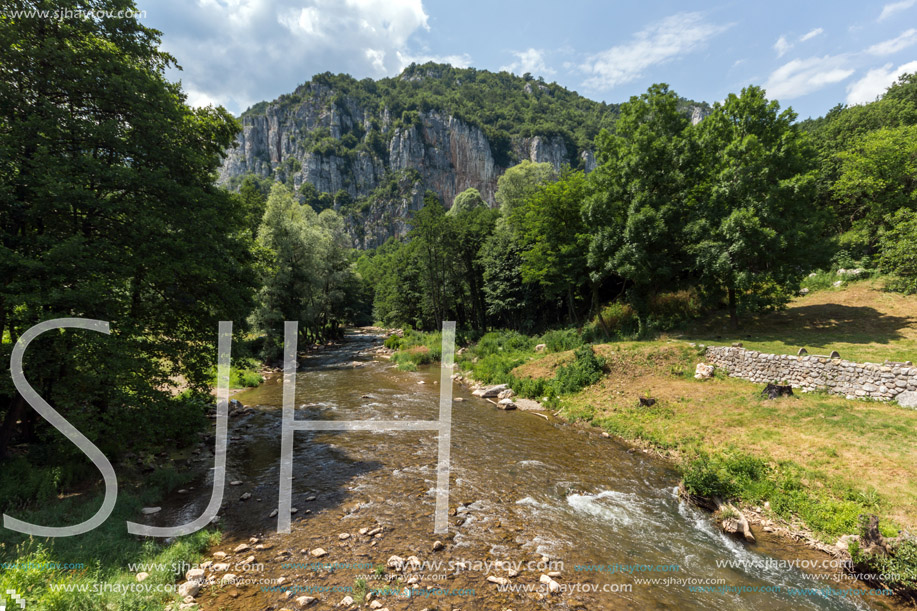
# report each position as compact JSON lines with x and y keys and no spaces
{"x":876,"y":81}
{"x":802,"y":76}
{"x":811,"y":34}
{"x":896,"y":7}
{"x":664,"y":41}
{"x":890,"y":47}
{"x":238,"y":52}
{"x":782,"y":46}
{"x":531,"y":61}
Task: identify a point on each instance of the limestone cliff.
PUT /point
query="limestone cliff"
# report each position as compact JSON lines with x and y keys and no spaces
{"x":353,"y":142}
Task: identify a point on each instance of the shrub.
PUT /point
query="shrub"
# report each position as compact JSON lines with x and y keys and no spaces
{"x":620,"y":320}
{"x":562,"y":339}
{"x":503,"y":341}
{"x":585,"y":370}
{"x":668,"y":310}
{"x":898,"y":248}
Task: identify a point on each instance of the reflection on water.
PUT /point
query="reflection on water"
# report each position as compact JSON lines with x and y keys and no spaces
{"x":522,"y":487}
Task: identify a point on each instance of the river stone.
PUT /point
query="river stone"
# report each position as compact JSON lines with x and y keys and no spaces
{"x":347,"y":601}
{"x":189,"y":588}
{"x":305,"y":601}
{"x":141,"y":576}
{"x":907,"y":399}
{"x":500,"y":581}
{"x":490,"y":391}
{"x":241,"y":548}
{"x":195,"y":575}
{"x":318,"y":552}
{"x":148,"y":511}
{"x":228,"y":578}
{"x":506,"y":404}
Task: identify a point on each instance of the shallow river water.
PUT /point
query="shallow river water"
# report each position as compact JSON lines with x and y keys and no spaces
{"x":539,"y":493}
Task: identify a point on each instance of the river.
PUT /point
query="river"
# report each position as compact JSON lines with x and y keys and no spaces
{"x":539,"y":493}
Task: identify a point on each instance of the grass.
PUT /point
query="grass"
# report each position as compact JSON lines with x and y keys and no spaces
{"x":97,"y":562}
{"x":243,"y":374}
{"x":859,"y":320}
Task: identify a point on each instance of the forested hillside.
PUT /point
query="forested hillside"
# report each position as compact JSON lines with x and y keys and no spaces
{"x":370,"y":149}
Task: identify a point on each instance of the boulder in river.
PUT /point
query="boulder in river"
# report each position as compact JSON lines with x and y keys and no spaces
{"x":489,"y":392}
{"x":506,"y":404}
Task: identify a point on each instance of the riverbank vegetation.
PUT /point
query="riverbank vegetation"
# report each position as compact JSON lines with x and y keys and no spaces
{"x":815,"y":462}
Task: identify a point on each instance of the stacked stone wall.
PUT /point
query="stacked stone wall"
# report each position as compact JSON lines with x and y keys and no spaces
{"x":813,"y":372}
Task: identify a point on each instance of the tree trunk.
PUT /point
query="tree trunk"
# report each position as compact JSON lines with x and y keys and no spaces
{"x":573,"y":317}
{"x":597,"y":308}
{"x":13,"y":414}
{"x":733,"y":310}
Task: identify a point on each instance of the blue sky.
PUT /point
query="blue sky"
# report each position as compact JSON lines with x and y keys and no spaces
{"x":809,"y":55}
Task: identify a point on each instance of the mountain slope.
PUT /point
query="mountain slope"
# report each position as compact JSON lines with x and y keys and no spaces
{"x":377,"y":146}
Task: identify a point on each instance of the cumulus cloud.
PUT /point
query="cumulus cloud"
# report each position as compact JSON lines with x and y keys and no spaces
{"x":899,"y":43}
{"x":659,"y":43}
{"x":531,"y":61}
{"x":811,"y":34}
{"x":802,"y":76}
{"x":876,"y":81}
{"x":895,"y":7}
{"x":237,"y":52}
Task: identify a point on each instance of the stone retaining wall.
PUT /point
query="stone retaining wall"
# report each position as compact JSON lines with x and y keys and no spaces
{"x":813,"y":372}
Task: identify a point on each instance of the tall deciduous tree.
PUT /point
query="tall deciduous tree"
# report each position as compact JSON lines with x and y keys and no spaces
{"x":755,"y":231}
{"x":639,"y":204}
{"x":555,"y":238}
{"x":108,"y":211}
{"x":307,"y":276}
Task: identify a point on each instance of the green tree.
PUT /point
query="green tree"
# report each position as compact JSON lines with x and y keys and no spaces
{"x":640,"y":198}
{"x":433,"y":235}
{"x":550,"y":225}
{"x":471,"y":227}
{"x":878,"y":176}
{"x":465,"y":201}
{"x":754,"y":233}
{"x":898,"y":250}
{"x":108,"y":211}
{"x":254,"y":191}
{"x":307,"y":274}
{"x":521,"y":181}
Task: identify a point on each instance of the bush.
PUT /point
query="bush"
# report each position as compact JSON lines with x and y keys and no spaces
{"x":668,"y":310}
{"x":562,"y":339}
{"x":898,"y":248}
{"x":899,"y":568}
{"x":496,"y":342}
{"x":620,"y":319}
{"x":585,"y":370}
{"x":726,"y":476}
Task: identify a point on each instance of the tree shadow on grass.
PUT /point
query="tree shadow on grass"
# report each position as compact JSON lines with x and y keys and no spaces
{"x":815,"y":325}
